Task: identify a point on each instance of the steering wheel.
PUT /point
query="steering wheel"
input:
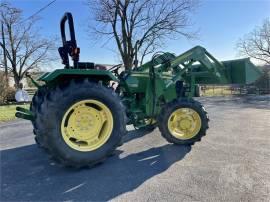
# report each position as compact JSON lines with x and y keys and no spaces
{"x":115,"y":67}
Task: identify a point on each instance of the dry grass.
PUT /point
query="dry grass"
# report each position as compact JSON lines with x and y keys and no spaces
{"x":217,"y":92}
{"x":222,"y":90}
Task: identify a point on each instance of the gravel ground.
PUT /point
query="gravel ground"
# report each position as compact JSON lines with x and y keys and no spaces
{"x":231,"y":163}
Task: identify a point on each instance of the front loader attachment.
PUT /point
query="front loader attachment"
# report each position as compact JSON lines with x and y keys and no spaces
{"x":198,"y":66}
{"x":206,"y":69}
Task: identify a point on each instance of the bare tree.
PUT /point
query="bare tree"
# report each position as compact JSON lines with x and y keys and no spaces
{"x":256,"y":44}
{"x":25,"y":48}
{"x":140,"y":23}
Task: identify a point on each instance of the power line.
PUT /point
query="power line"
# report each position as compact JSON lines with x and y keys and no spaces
{"x":40,"y":10}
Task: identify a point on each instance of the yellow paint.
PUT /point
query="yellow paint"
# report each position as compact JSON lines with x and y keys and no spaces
{"x":87,"y":125}
{"x":184,"y":123}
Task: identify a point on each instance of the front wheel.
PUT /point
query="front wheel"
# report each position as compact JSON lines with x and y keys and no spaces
{"x":183,"y":121}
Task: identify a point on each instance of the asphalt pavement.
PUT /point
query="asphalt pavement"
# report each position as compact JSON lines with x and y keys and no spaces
{"x":231,"y":163}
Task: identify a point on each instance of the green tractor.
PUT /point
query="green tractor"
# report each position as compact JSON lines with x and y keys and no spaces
{"x":80,"y":114}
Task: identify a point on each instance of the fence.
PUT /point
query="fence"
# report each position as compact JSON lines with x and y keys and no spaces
{"x":223,"y":90}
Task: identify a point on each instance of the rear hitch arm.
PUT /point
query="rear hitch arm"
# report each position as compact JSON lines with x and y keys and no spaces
{"x":24,"y":114}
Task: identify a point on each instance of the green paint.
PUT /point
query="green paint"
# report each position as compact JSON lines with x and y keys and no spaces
{"x":98,"y":74}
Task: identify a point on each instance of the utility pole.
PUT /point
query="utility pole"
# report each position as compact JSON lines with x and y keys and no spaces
{"x":4,"y":52}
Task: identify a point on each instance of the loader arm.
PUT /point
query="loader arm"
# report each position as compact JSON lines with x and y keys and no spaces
{"x":184,"y":64}
{"x":184,"y":67}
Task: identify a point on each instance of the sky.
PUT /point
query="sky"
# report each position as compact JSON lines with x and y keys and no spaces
{"x":220,"y":23}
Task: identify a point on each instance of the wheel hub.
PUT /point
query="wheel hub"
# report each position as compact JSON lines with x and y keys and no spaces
{"x":184,"y":123}
{"x":87,"y":125}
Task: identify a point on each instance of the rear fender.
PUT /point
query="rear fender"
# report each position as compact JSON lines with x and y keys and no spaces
{"x":99,"y":75}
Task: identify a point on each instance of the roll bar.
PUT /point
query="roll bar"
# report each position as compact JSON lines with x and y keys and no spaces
{"x":69,"y":47}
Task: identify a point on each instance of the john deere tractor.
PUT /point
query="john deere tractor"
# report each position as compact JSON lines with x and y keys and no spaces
{"x":80,"y":113}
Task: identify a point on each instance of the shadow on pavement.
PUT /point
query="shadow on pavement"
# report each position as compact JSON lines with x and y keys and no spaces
{"x":27,"y":175}
{"x":135,"y":134}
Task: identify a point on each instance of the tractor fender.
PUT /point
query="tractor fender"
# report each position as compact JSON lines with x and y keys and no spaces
{"x":102,"y":75}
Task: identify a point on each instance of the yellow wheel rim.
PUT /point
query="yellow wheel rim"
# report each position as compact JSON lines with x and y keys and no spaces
{"x":184,"y":123}
{"x":87,"y":125}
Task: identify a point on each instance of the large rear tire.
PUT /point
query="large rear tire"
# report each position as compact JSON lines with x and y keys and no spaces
{"x":183,"y":121}
{"x":82,"y":122}
{"x":37,"y":101}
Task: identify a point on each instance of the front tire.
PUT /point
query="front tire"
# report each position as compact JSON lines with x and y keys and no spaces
{"x":183,"y":121}
{"x":83,"y":121}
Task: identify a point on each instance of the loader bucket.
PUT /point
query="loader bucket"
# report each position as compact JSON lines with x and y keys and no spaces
{"x":241,"y":71}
